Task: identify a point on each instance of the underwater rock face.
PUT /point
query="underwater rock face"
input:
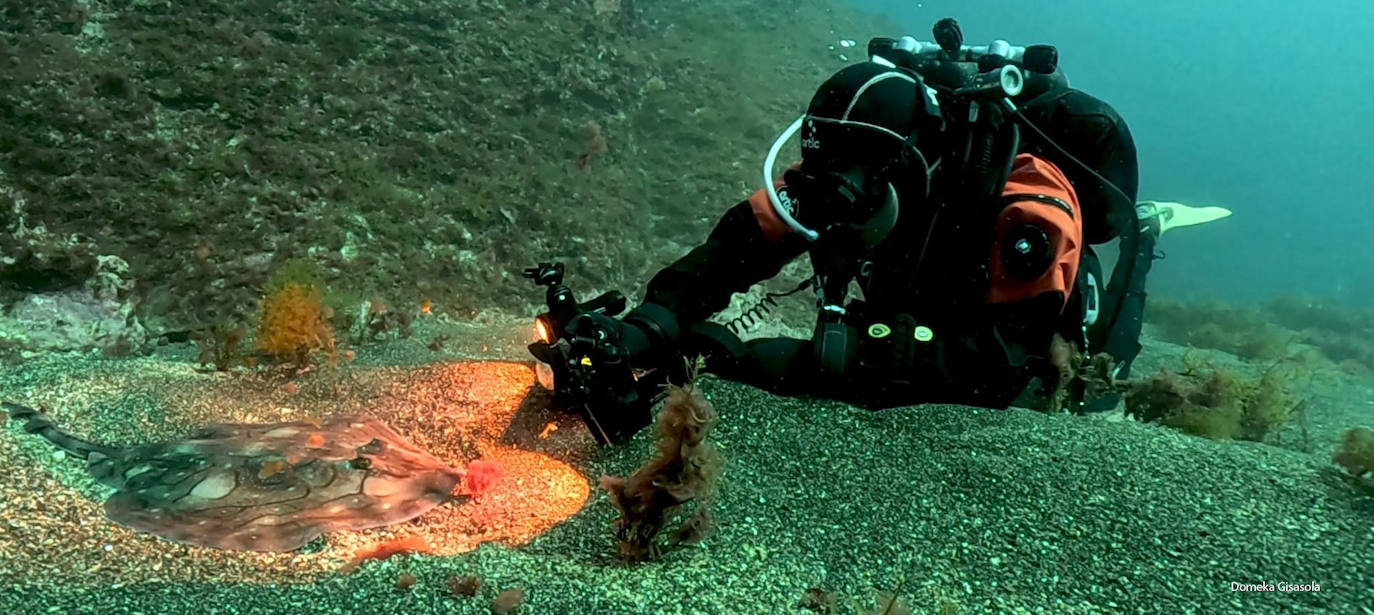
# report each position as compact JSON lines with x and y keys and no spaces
{"x":58,"y":294}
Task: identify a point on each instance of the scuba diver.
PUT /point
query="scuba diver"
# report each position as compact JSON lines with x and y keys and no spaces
{"x":959,"y":190}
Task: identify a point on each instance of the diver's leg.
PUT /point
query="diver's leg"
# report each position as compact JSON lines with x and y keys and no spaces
{"x":1125,"y":298}
{"x":1126,"y":293}
{"x":779,"y":365}
{"x":790,"y":367}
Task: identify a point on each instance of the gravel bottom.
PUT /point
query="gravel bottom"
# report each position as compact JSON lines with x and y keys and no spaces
{"x":971,"y":510}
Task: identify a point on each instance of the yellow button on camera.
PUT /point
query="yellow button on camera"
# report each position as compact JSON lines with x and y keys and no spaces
{"x":923,"y":334}
{"x":879,"y":330}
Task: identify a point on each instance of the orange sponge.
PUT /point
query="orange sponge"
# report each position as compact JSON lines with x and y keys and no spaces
{"x":294,"y":323}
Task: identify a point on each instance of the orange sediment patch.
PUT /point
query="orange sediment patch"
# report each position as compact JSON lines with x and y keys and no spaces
{"x":381,"y":551}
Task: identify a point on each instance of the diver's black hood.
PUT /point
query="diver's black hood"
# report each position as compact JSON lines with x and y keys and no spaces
{"x":867,"y":112}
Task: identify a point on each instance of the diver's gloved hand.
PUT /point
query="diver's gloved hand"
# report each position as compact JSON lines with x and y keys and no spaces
{"x":613,"y":339}
{"x":648,"y":335}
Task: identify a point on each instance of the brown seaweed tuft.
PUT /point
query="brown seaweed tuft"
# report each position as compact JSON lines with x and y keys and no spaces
{"x":684,"y":470}
{"x":219,"y":345}
{"x":1356,"y":453}
{"x":1218,"y":403}
{"x":508,"y":600}
{"x":465,"y":586}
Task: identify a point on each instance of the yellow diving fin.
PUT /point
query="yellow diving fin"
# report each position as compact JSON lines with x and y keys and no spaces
{"x":1174,"y":215}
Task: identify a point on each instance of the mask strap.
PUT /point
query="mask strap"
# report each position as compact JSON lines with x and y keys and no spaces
{"x":768,"y":166}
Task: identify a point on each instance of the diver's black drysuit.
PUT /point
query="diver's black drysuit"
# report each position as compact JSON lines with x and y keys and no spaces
{"x":929,"y":273}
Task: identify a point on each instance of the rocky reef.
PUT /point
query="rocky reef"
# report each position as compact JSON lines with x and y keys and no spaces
{"x":411,"y":149}
{"x":60,"y":293}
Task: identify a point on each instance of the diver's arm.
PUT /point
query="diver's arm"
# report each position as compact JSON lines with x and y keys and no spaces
{"x":736,"y":255}
{"x":1114,"y":157}
{"x":1032,"y":272}
{"x":1096,"y":135}
{"x":1102,"y":140}
{"x":994,"y":360}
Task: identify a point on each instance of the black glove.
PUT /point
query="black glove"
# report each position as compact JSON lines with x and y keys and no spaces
{"x":648,"y":336}
{"x":611,"y":340}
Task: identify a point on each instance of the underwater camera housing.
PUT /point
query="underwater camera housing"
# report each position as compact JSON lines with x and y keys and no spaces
{"x":612,"y":383}
{"x":585,"y":371}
